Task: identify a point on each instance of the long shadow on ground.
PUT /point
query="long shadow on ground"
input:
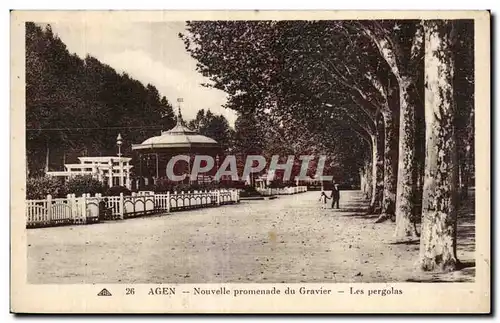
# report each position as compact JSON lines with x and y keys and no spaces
{"x":465,"y":272}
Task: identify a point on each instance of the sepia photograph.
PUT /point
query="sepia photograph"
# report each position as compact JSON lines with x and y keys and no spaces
{"x":251,"y":151}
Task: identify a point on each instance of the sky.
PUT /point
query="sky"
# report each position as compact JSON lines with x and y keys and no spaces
{"x":151,"y":53}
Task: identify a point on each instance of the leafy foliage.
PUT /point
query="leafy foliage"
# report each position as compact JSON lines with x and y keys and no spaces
{"x":116,"y":190}
{"x":280,"y":76}
{"x":213,"y":126}
{"x":79,"y":185}
{"x":78,"y":106}
{"x":38,"y":188}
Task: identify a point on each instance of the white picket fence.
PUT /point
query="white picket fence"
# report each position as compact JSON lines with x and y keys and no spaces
{"x":282,"y":191}
{"x":85,"y":209}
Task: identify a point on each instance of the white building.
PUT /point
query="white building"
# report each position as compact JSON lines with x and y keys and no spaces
{"x":109,"y":170}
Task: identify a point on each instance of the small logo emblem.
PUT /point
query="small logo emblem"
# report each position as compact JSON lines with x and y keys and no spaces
{"x":104,"y":292}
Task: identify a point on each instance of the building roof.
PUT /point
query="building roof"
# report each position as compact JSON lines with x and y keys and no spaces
{"x":179,"y":136}
{"x":103,"y":159}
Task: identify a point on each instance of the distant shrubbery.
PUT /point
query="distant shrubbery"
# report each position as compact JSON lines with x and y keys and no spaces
{"x":179,"y":187}
{"x":233,"y":184}
{"x":163,"y":186}
{"x":39,"y":187}
{"x":278,"y":184}
{"x":249,"y":191}
{"x":116,"y":190}
{"x":79,"y":185}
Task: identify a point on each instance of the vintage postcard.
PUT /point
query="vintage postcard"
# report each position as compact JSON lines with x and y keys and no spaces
{"x":250,"y":162}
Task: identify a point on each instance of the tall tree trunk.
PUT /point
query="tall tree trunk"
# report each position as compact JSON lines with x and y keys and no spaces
{"x":420,"y":152}
{"x":402,"y":63}
{"x":369,"y":177}
{"x":367,"y":172}
{"x":407,"y":168}
{"x":390,"y":167}
{"x":363,"y":180}
{"x":377,"y":168}
{"x":438,"y":238}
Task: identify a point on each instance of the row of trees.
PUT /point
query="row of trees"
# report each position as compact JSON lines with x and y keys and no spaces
{"x":80,"y":105}
{"x":394,"y":99}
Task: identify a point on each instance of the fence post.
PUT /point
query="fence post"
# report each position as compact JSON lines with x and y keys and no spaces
{"x":71,"y":204}
{"x":168,"y":202}
{"x":218,"y":197}
{"x":121,"y":206}
{"x":49,"y":208}
{"x":84,"y":207}
{"x":74,"y":207}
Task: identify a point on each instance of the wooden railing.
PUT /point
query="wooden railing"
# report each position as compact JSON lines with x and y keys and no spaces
{"x":88,"y":209}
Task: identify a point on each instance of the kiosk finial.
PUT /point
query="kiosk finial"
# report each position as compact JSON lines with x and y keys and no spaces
{"x":179,"y":114}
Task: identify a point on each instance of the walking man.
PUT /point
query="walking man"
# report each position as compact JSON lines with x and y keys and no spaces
{"x":335,"y":196}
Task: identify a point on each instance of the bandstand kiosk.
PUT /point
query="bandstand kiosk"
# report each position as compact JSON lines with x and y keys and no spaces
{"x":152,"y":156}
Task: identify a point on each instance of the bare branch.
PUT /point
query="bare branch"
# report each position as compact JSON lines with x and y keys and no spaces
{"x":355,"y":89}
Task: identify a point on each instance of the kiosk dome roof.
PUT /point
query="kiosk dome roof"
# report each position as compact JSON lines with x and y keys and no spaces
{"x":179,"y":136}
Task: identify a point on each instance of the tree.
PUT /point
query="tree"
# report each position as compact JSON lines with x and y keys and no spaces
{"x":402,"y":54}
{"x":213,"y":126}
{"x":378,"y":167}
{"x":438,"y":237}
{"x":198,"y":121}
{"x":167,"y":114}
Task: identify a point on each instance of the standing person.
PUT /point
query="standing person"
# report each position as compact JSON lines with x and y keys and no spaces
{"x":105,"y":211}
{"x":323,"y":197}
{"x":335,"y":196}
